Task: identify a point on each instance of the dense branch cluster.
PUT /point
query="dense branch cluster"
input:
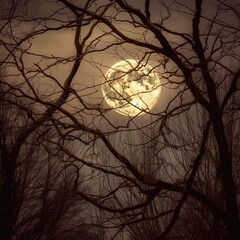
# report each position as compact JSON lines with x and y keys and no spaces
{"x":72,"y":167}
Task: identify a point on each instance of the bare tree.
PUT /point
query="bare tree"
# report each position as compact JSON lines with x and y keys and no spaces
{"x":197,"y":60}
{"x":37,"y":200}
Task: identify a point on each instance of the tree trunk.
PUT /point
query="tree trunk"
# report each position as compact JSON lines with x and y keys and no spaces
{"x":7,"y":204}
{"x":230,"y":198}
{"x":7,"y":194}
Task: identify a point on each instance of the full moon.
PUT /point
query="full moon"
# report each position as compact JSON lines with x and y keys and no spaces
{"x":131,"y":87}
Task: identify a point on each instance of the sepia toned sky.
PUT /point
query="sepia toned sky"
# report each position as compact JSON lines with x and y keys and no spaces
{"x":91,"y":73}
{"x":60,"y":44}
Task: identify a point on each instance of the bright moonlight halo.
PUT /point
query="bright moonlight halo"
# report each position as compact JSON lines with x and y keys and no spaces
{"x":131,"y":87}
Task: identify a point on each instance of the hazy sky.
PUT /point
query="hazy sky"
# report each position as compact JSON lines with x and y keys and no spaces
{"x":60,"y":44}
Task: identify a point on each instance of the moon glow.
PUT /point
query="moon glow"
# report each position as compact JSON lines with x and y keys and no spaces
{"x":131,"y":87}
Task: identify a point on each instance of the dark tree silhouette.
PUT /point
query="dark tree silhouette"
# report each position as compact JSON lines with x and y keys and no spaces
{"x":162,"y":171}
{"x":37,"y":200}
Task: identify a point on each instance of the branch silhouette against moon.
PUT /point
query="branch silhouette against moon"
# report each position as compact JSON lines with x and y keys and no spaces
{"x":131,"y":87}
